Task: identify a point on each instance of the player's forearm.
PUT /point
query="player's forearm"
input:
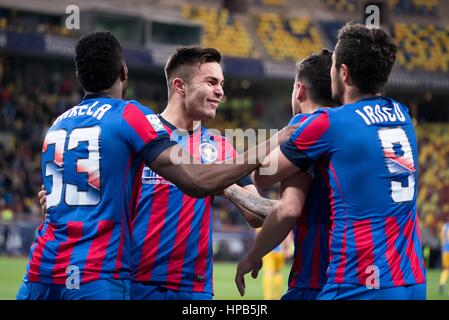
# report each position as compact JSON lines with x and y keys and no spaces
{"x":264,"y":180}
{"x":253,"y":220}
{"x":275,"y":229}
{"x":255,"y":204}
{"x":212,"y":178}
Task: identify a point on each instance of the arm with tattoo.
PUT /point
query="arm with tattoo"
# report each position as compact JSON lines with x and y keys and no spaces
{"x":252,"y":203}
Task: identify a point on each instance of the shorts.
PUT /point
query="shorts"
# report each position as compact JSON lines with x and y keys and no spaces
{"x":108,"y":289}
{"x":357,"y":292}
{"x":301,"y":294}
{"x":144,"y":291}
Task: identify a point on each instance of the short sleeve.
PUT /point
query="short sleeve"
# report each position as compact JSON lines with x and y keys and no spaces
{"x":142,"y":128}
{"x":299,"y":118}
{"x":310,"y":141}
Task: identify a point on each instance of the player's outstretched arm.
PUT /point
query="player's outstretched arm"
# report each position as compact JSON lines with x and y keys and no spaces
{"x":199,"y":180}
{"x":276,"y":227}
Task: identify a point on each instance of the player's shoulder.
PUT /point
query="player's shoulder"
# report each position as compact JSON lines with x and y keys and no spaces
{"x":324,"y":113}
{"x":298,"y":118}
{"x":137,"y":104}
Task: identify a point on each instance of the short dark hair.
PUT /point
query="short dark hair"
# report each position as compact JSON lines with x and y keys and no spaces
{"x":368,"y":53}
{"x":314,"y":71}
{"x":98,"y":60}
{"x":180,"y":62}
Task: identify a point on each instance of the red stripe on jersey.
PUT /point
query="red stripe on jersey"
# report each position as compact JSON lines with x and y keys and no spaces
{"x":364,"y":247}
{"x":203,"y":247}
{"x":418,"y":229}
{"x":225,"y":148}
{"x":177,"y":255}
{"x":136,"y":196}
{"x":415,"y":262}
{"x":139,"y":122}
{"x":36,"y":259}
{"x":392,"y":255}
{"x":97,"y":251}
{"x":312,"y":132}
{"x":300,"y":236}
{"x":340,"y":272}
{"x":315,"y":277}
{"x":322,"y":166}
{"x":65,"y":250}
{"x":118,"y":263}
{"x":153,"y":234}
{"x":194,"y":144}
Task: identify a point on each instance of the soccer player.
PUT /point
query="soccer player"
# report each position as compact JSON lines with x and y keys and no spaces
{"x":444,"y":240}
{"x":308,"y":217}
{"x":171,"y":231}
{"x":369,"y":149}
{"x":90,"y":160}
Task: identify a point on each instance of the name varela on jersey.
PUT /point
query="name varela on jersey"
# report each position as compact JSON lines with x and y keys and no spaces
{"x":377,"y":114}
{"x":94,"y":110}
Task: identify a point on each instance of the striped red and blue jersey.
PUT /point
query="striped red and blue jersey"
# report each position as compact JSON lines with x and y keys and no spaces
{"x":445,"y":238}
{"x":311,"y":231}
{"x":172,"y":232}
{"x":89,"y":161}
{"x":370,"y":154}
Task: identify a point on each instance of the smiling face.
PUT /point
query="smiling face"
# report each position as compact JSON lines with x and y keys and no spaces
{"x":204,"y":91}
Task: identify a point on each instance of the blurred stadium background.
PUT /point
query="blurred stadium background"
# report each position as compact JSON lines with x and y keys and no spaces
{"x":261,"y":40}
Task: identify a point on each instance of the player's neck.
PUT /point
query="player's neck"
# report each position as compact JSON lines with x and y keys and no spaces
{"x":178,"y":117}
{"x":309,"y":107}
{"x":115,"y":91}
{"x":352,"y":95}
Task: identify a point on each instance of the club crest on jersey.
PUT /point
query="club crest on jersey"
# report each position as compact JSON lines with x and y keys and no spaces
{"x":155,"y":122}
{"x":208,"y":152}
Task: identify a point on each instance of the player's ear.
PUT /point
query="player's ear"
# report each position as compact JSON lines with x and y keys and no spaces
{"x":344,"y":73}
{"x":301,"y":91}
{"x":179,"y":86}
{"x":124,"y":72}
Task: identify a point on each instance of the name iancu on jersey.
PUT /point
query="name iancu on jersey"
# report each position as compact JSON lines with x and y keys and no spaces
{"x":377,"y":114}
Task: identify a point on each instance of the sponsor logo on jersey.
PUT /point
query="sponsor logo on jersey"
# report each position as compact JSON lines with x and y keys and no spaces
{"x":151,"y":177}
{"x":155,"y":122}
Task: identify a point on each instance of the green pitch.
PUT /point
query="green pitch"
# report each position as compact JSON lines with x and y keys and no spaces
{"x":12,"y":270}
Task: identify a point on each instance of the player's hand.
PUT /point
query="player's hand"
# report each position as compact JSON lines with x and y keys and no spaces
{"x":42,"y":195}
{"x":245,"y":266}
{"x":286,"y":133}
